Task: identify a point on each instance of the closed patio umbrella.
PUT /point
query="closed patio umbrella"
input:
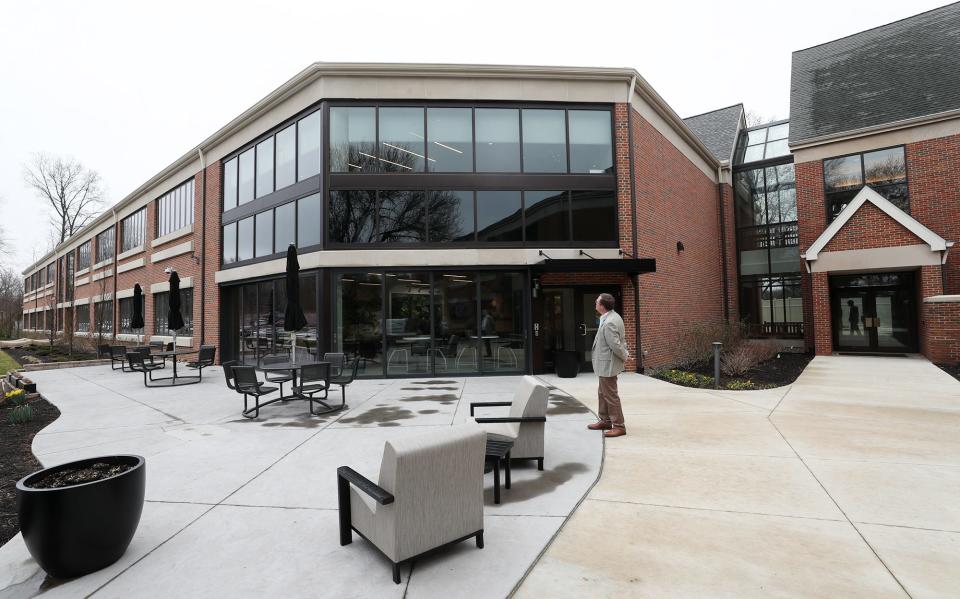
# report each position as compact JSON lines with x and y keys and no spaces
{"x":293,"y":318}
{"x":136,"y":321}
{"x":174,"y":317}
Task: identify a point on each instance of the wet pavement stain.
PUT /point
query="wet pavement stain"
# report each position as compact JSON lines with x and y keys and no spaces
{"x":382,"y":416}
{"x":547,"y":481}
{"x":428,"y":411}
{"x":429,"y":388}
{"x":564,"y":404}
{"x":444,"y":399}
{"x":433,"y":383}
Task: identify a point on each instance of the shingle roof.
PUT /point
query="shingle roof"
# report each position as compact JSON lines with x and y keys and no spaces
{"x":717,"y":129}
{"x":903,"y":70}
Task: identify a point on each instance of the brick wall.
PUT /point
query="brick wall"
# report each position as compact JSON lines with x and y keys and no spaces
{"x":730,"y":251}
{"x":871,"y":227}
{"x":210,"y":302}
{"x":942,"y":335}
{"x":676,"y":201}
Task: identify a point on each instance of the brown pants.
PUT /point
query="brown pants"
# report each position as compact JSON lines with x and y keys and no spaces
{"x":610,"y":409}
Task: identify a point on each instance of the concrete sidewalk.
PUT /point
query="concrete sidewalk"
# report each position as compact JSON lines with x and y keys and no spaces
{"x":845,"y":484}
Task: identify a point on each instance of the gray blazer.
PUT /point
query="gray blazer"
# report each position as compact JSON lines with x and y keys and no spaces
{"x":609,"y":346}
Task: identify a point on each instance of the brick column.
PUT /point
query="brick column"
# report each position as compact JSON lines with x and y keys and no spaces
{"x":823,"y":330}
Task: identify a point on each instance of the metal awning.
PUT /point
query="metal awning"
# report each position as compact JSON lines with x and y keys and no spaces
{"x":630,"y":266}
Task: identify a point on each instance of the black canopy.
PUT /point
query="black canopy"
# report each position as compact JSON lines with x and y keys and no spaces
{"x":136,"y":321}
{"x":174,"y":318}
{"x":293,"y":319}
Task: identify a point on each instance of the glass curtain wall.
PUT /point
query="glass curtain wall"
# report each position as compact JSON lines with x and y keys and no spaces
{"x":261,"y":308}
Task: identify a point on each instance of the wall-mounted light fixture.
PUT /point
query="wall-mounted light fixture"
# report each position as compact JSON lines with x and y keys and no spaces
{"x":680,"y":247}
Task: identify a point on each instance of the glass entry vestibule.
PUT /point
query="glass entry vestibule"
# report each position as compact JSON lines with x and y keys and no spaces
{"x":407,"y":323}
{"x":565,"y":320}
{"x":874,"y":312}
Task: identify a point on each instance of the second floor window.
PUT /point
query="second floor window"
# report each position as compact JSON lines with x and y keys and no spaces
{"x":175,"y":209}
{"x":885,"y":171}
{"x":161,"y":304}
{"x":105,"y":245}
{"x":83,"y":256}
{"x":132,"y":229}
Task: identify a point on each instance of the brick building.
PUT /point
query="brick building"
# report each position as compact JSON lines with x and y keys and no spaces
{"x":462,"y":219}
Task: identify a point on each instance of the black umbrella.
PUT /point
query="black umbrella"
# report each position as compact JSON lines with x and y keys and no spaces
{"x":174,"y":318}
{"x":136,"y":321}
{"x":293,"y":318}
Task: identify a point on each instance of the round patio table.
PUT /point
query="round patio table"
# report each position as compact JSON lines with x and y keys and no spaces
{"x":294,"y":369}
{"x":175,"y":381}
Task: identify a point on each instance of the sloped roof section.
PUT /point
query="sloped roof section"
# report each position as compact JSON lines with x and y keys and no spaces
{"x":896,"y":72}
{"x":717,"y":129}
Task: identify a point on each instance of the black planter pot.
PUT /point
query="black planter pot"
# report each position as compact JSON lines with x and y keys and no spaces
{"x":567,"y":364}
{"x":72,"y":531}
{"x":29,"y":387}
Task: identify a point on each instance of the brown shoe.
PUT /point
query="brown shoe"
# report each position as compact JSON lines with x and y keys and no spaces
{"x":615,"y":432}
{"x":600,"y":425}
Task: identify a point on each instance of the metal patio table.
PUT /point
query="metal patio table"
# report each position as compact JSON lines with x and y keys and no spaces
{"x":175,"y":381}
{"x":294,"y":369}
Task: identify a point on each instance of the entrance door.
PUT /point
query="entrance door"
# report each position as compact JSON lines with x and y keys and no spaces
{"x":874,"y":313}
{"x":565,"y":319}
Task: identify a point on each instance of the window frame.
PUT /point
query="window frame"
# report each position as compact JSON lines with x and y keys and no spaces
{"x":138,"y":216}
{"x":180,"y":209}
{"x":863,"y":178}
{"x":113,"y":245}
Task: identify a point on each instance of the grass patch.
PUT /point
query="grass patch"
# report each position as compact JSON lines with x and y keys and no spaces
{"x":7,"y":363}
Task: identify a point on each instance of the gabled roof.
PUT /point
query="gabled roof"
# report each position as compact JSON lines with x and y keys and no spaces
{"x":718,"y":129}
{"x":867,"y":194}
{"x":897,"y":72}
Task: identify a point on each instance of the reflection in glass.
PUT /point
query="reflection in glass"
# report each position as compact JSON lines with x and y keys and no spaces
{"x":498,"y":140}
{"x":309,"y":218}
{"x":352,"y":139}
{"x":408,"y":323}
{"x":402,"y":218}
{"x":591,"y":146}
{"x":264,"y":232}
{"x":307,"y":336}
{"x":842,"y":173}
{"x":265,"y":319}
{"x":401,"y":140}
{"x":284,"y":227}
{"x":778,"y":132}
{"x":264,"y":167}
{"x":351,"y":215}
{"x":358,"y":320}
{"x":777,"y":148}
{"x":450,"y":216}
{"x":245,"y":239}
{"x":498,"y":216}
{"x":230,"y":243}
{"x":546,"y":214}
{"x":308,"y":146}
{"x":772,"y":306}
{"x":544,"y":141}
{"x":455,"y":330}
{"x":286,"y":157}
{"x":230,"y":184}
{"x":751,"y":205}
{"x":248,"y":325}
{"x":450,"y":140}
{"x":884,"y":166}
{"x":594,"y":215}
{"x":502,"y":336}
{"x":245,"y":185}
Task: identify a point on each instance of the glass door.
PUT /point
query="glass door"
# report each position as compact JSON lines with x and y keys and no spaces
{"x":874,"y":312}
{"x":851,"y":319}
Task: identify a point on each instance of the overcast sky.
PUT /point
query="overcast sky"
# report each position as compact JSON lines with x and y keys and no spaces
{"x":128,"y":87}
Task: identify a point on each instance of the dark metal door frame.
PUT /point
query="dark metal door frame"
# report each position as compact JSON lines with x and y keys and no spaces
{"x":868,"y":293}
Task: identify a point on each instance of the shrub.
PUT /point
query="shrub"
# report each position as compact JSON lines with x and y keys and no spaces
{"x":696,"y":342}
{"x":746,"y":385}
{"x":746,"y":355}
{"x":687,"y":379}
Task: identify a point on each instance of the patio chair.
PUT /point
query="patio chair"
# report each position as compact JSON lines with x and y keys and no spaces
{"x":277,"y":377}
{"x":245,"y":380}
{"x":525,"y":423}
{"x":118,"y":355}
{"x":315,"y":379}
{"x":336,"y":361}
{"x":345,"y":378}
{"x":228,"y":373}
{"x":429,"y":494}
{"x":103,"y":351}
{"x":137,"y":364}
{"x":205,"y":357}
{"x":149,"y":357}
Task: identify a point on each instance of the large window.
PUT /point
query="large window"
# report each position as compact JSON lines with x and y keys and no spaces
{"x":125,"y":307}
{"x":246,"y":177}
{"x":103,"y":318}
{"x":83,"y":256}
{"x":772,"y":306}
{"x":105,"y":245}
{"x":308,"y":146}
{"x":82,"y":319}
{"x":286,"y":168}
{"x":368,"y":139}
{"x":69,"y":278}
{"x":132,"y":230}
{"x":51,"y":276}
{"x":766,"y":216}
{"x":265,"y":167}
{"x":175,"y":209}
{"x":161,"y":306}
{"x":273,"y":230}
{"x":885,"y":171}
{"x":763,"y":143}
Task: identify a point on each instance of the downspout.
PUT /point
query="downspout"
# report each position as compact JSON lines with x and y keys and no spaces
{"x":723,"y":246}
{"x":116,"y":263}
{"x":633,"y":218}
{"x":203,"y":241}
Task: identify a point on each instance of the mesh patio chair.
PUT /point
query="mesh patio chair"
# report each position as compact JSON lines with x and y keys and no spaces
{"x":429,"y":494}
{"x":228,"y":373}
{"x":205,"y":357}
{"x":525,"y":423}
{"x":277,"y":377}
{"x":345,"y":378}
{"x":336,"y":360}
{"x":137,"y":364}
{"x":247,"y":384}
{"x":149,"y":357}
{"x":118,"y":355}
{"x":315,"y":380}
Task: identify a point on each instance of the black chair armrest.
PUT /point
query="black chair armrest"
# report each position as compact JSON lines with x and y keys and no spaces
{"x":379,"y":494}
{"x":522,"y":419}
{"x":474,"y":404}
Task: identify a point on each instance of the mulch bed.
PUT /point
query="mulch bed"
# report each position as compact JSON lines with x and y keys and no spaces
{"x":47,"y":354}
{"x":17,"y":459}
{"x":68,"y":478}
{"x":772,"y":373}
{"x":951,"y":369}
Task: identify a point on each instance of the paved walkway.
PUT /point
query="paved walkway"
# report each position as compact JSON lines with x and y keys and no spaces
{"x":846,"y":484}
{"x":240,"y":508}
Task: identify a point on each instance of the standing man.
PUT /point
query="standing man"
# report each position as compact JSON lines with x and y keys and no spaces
{"x":609,"y":353}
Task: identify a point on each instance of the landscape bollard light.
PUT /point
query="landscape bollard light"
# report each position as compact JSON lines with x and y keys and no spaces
{"x":716,"y":364}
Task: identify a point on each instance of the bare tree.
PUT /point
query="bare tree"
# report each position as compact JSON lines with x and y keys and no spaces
{"x":73,"y":191}
{"x":754,"y":118}
{"x":100,"y":309}
{"x":11,"y":302}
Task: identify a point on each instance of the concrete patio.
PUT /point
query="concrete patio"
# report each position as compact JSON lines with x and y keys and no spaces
{"x":845,"y":484}
{"x":236,"y":507}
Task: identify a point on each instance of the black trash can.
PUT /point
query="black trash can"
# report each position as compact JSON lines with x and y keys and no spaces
{"x":567,"y":364}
